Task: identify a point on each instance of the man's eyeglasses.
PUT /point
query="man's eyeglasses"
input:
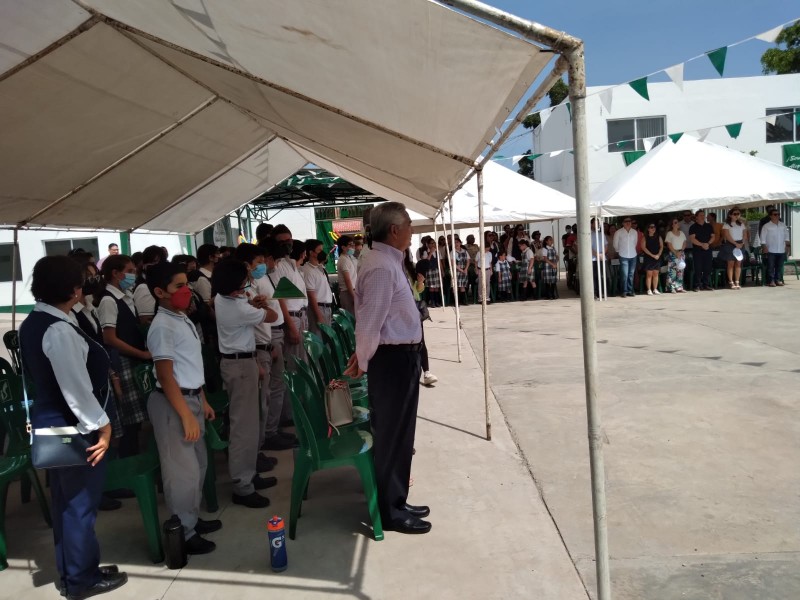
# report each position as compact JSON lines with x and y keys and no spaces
{"x":774,"y":214}
{"x":735,"y":214}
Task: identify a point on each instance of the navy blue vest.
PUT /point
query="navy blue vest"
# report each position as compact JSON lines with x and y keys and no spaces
{"x":127,"y":324}
{"x":96,"y":332}
{"x":49,"y":408}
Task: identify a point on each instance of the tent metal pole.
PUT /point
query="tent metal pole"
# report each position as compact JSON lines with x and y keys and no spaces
{"x":14,"y":259}
{"x":438,"y":259}
{"x":452,"y":279}
{"x":483,"y":283}
{"x":454,"y":276}
{"x":577,"y":95}
{"x":604,"y":287}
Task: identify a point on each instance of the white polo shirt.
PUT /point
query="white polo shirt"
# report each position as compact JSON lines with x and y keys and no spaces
{"x":236,"y":323}
{"x":203,"y":284}
{"x":262,"y":287}
{"x":317,"y":282}
{"x":347,"y":264}
{"x":107,"y":309}
{"x":144,"y":301}
{"x":774,"y":236}
{"x":172,"y":336}
{"x":286,"y":267}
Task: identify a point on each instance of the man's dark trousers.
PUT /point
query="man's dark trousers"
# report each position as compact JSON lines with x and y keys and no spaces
{"x":702,"y":267}
{"x":393,"y":396}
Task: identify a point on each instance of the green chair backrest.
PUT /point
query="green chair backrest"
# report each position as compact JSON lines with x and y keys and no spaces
{"x":303,"y":427}
{"x":310,"y":375}
{"x":11,"y":341}
{"x":6,"y":368}
{"x":348,"y":315}
{"x":145,"y":379}
{"x":347,"y":333}
{"x":312,"y":396}
{"x":331,"y":339}
{"x":319,"y":355}
{"x":12,"y":414}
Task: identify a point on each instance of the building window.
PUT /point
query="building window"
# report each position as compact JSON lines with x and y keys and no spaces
{"x":627,"y":135}
{"x":63,"y":247}
{"x":6,"y":252}
{"x":786,"y":129}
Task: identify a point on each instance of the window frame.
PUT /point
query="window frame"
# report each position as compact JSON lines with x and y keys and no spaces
{"x":73,"y":245}
{"x":795,"y":127}
{"x":10,"y":279}
{"x":638,"y":142}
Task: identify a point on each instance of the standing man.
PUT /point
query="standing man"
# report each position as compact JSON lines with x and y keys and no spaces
{"x":626,"y":243}
{"x":318,"y":290}
{"x":701,"y":236}
{"x":761,"y":222}
{"x":113,"y":250}
{"x":388,"y":342}
{"x":775,"y":246}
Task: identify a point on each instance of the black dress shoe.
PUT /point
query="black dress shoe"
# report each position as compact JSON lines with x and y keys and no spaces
{"x":107,"y":503}
{"x":263,"y":464}
{"x":262,"y":483}
{"x":106,"y":570}
{"x":409,"y":525}
{"x":254,"y":500}
{"x":277,"y":442}
{"x":109,"y":583}
{"x":199,"y":545}
{"x":417,"y":511}
{"x":120,"y":493}
{"x":203,"y":527}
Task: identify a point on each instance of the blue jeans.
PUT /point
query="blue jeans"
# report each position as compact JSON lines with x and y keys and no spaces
{"x":775,"y":267}
{"x":627,"y":267}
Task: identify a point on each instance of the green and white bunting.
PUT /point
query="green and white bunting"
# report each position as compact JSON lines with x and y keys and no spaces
{"x":734,"y":129}
{"x":717,"y":58}
{"x":640,"y":87}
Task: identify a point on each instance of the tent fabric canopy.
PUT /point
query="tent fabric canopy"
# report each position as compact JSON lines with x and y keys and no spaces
{"x":167,"y":116}
{"x":508,"y":198}
{"x":692,"y":175}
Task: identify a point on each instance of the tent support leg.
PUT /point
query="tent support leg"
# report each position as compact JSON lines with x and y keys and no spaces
{"x":577,"y":95}
{"x":439,"y":260}
{"x":484,"y":286}
{"x":455,"y":280}
{"x":14,"y":259}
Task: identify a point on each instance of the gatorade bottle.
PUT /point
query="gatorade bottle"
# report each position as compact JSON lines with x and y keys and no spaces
{"x":277,"y":544}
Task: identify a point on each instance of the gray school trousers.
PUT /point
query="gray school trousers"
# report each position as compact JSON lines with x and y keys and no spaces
{"x":241,"y":382}
{"x":183,"y":464}
{"x":312,"y":319}
{"x":264,"y":358}
{"x":299,"y":352}
{"x":277,"y":387}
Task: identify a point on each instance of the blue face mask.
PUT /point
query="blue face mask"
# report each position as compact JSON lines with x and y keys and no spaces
{"x":259,"y":271}
{"x":128,"y":282}
{"x":351,"y":251}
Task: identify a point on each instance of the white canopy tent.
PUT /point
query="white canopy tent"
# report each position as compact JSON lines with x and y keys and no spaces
{"x":508,"y":198}
{"x":139,"y":114}
{"x":691,"y":174}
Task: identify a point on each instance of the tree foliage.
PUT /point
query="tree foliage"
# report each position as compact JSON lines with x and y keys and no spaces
{"x":557,"y":93}
{"x":526,"y":165}
{"x":787,"y":60}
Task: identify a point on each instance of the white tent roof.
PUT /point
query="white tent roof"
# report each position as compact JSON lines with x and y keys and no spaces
{"x":508,"y":198}
{"x":165,"y":116}
{"x":692,"y":175}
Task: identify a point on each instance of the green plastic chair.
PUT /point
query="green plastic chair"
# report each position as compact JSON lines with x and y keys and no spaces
{"x":347,"y":333}
{"x":331,"y":339}
{"x":16,"y":464}
{"x":317,"y":452}
{"x":322,"y":360}
{"x":315,"y":392}
{"x":11,"y":341}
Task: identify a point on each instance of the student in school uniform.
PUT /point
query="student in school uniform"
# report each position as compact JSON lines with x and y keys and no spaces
{"x":433,"y":278}
{"x":318,"y":290}
{"x":526,"y":265}
{"x":295,"y":310}
{"x":550,"y":269}
{"x":347,"y":271}
{"x":237,"y":319}
{"x":121,"y":334}
{"x":142,"y":298}
{"x":253,"y":258}
{"x":462,"y":270}
{"x":178,"y":407}
{"x":503,"y":269}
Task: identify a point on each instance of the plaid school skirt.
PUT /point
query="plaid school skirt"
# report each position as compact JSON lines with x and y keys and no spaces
{"x":549,"y":274}
{"x":432,"y":278}
{"x":523,"y":272}
{"x":132,"y":407}
{"x":504,"y":277}
{"x":461,"y":262}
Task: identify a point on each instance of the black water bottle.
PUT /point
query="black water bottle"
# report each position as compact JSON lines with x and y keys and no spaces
{"x":174,"y":543}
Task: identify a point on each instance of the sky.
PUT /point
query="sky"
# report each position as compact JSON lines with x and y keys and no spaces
{"x":628,"y":39}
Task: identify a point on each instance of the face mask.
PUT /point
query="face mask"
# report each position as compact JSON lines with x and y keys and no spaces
{"x":259,"y":271}
{"x":322,"y":256}
{"x":182,"y":298}
{"x":128,"y":282}
{"x":287,"y":246}
{"x":351,"y":251}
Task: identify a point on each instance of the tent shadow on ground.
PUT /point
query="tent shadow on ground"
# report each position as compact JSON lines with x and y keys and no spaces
{"x":334,"y":517}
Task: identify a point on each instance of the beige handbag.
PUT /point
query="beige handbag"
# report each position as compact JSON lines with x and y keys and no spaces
{"x":338,"y":403}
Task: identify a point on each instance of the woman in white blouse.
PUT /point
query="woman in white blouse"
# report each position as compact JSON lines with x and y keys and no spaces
{"x":734,"y":237}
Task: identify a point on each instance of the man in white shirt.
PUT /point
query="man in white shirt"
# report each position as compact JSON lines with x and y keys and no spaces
{"x":113,"y":250}
{"x":775,"y":246}
{"x":625,"y":242}
{"x":318,"y":290}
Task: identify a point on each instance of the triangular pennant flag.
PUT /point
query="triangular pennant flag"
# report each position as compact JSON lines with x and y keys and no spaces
{"x":535,"y":156}
{"x":545,"y":114}
{"x":676,"y":75}
{"x":704,"y":133}
{"x":555,"y":153}
{"x":675,"y":137}
{"x":286,"y":289}
{"x":572,"y":152}
{"x":596,"y":147}
{"x":648,"y":143}
{"x":717,"y":58}
{"x":632,"y":157}
{"x":734,"y":129}
{"x":516,"y":158}
{"x":640,"y":86}
{"x":771,"y":119}
{"x":797,"y":118}
{"x":771,"y":35}
{"x":606,"y":97}
{"x":569,"y":110}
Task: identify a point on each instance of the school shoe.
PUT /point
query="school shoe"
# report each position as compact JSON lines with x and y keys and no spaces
{"x":108,"y":583}
{"x":262,"y":483}
{"x":408,"y":525}
{"x":254,"y":500}
{"x":264,"y":464}
{"x":649,"y":292}
{"x":656,"y":293}
{"x":277,"y":442}
{"x":107,"y":503}
{"x":429,"y":378}
{"x":204,"y":527}
{"x":199,"y":545}
{"x":105,"y":570}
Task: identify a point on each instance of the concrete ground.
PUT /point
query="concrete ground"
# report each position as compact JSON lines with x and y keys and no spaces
{"x":699,"y":401}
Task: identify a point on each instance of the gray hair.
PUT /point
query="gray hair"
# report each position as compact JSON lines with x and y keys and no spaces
{"x":383,"y":216}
